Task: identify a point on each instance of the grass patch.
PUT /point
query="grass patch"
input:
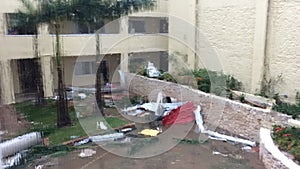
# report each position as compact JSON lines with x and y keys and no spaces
{"x":43,"y":119}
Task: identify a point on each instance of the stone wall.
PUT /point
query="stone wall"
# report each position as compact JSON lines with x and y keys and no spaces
{"x":240,"y":119}
{"x":270,"y":155}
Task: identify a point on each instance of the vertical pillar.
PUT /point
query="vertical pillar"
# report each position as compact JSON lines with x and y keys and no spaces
{"x":16,"y":79}
{"x":124,"y":25}
{"x":6,"y":83}
{"x":3,"y":24}
{"x":259,"y":44}
{"x":124,"y":62}
{"x":124,"y":54}
{"x":47,"y":73}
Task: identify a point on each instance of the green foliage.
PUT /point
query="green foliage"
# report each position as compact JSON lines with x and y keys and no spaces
{"x":167,"y":77}
{"x":90,"y":11}
{"x":215,"y":82}
{"x":268,"y":86}
{"x":288,"y":139}
{"x":288,"y":108}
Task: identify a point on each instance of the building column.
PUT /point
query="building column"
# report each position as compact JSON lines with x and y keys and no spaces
{"x":259,"y":45}
{"x":124,"y":62}
{"x":47,"y":74}
{"x":6,"y":83}
{"x":16,"y":79}
{"x":3,"y":24}
{"x":124,"y":25}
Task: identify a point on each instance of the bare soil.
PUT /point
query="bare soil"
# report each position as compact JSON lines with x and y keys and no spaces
{"x":11,"y":122}
{"x":182,"y":156}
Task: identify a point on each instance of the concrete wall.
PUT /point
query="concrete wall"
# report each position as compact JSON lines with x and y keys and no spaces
{"x":240,"y":119}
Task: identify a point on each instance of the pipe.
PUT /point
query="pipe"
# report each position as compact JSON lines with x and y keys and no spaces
{"x":13,"y":146}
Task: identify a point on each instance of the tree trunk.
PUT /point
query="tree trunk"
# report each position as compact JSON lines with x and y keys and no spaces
{"x":63,"y":117}
{"x":99,"y":98}
{"x":38,"y":75}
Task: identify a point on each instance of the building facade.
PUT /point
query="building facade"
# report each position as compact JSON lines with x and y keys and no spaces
{"x":256,"y":41}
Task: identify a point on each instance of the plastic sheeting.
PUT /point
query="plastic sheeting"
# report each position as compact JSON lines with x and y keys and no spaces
{"x":181,"y":115}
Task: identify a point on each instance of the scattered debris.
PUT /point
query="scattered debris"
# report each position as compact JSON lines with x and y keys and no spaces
{"x":74,"y":137}
{"x":152,"y":70}
{"x":149,"y":132}
{"x":82,"y":96}
{"x":257,"y":101}
{"x":85,"y":141}
{"x":46,"y":141}
{"x":86,"y":153}
{"x":72,"y":142}
{"x":39,"y":167}
{"x":199,"y":120}
{"x":101,"y":125}
{"x":12,"y":161}
{"x":181,"y":115}
{"x":229,"y":138}
{"x":107,"y":137}
{"x":126,"y":130}
{"x":218,"y":153}
{"x":247,"y":148}
{"x":131,"y":125}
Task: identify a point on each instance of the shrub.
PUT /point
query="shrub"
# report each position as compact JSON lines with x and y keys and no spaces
{"x":288,"y":108}
{"x":222,"y":83}
{"x":288,"y":139}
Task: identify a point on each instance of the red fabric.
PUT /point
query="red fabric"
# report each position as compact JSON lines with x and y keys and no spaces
{"x":181,"y":115}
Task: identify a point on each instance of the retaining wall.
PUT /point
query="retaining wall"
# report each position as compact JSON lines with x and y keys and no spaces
{"x":270,"y":155}
{"x":240,"y":119}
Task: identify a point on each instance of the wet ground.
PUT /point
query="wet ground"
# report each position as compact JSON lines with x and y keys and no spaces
{"x":182,"y":156}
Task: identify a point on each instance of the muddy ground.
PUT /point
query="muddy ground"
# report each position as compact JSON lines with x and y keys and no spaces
{"x":182,"y":156}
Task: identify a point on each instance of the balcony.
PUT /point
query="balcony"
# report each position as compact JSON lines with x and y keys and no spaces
{"x":22,"y":46}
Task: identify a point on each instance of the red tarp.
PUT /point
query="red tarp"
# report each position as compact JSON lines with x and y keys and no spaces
{"x":181,"y":115}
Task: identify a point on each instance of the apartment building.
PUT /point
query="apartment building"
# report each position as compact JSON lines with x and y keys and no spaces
{"x":125,"y":44}
{"x":256,"y":41}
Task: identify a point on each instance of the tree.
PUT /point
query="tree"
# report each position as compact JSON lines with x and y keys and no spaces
{"x":94,"y":12}
{"x":90,"y":12}
{"x":51,"y":12}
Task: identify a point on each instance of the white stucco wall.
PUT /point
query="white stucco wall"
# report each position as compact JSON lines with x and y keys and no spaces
{"x":229,"y":27}
{"x":283,"y":45}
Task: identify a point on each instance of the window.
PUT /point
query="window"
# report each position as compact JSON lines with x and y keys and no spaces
{"x":19,"y":26}
{"x":136,"y":26}
{"x":85,"y":68}
{"x":164,"y":26}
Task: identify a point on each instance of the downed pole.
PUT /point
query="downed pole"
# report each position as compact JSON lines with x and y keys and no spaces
{"x":13,"y":146}
{"x":229,"y":138}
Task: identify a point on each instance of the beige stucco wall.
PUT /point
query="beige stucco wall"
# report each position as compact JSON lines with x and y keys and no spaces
{"x":113,"y":61}
{"x":283,"y":45}
{"x":229,"y":28}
